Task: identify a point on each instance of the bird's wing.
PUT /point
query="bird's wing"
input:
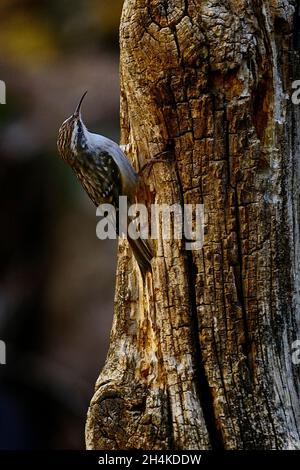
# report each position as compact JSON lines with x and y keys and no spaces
{"x":129,"y":177}
{"x":108,"y":177}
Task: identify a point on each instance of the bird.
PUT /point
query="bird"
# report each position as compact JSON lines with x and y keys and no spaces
{"x":104,"y":172}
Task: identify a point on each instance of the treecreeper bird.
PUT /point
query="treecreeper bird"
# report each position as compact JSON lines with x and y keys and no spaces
{"x":103,"y":170}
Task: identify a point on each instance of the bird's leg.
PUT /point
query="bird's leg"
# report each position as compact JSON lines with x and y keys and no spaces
{"x":152,"y":161}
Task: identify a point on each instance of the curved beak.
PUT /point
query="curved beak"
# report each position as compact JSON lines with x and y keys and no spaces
{"x":78,"y":109}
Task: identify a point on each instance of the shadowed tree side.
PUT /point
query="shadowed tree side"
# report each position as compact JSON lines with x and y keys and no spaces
{"x":200,"y":355}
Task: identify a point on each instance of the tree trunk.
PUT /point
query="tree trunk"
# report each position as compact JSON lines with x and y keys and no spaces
{"x":201,"y":354}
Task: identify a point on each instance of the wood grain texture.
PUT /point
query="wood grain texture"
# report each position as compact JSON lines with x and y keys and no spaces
{"x":200,"y":356}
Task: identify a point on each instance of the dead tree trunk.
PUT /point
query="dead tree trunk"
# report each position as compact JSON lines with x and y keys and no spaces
{"x":201,"y":356}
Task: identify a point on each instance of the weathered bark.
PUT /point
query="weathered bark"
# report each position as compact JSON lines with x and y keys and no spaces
{"x":200,"y":357}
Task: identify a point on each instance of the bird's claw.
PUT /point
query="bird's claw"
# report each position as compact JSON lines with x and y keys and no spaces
{"x":152,"y":161}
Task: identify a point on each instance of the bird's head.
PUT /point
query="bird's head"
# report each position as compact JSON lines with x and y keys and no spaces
{"x":72,"y":135}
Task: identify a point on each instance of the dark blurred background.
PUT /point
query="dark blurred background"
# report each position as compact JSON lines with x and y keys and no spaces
{"x":56,"y":278}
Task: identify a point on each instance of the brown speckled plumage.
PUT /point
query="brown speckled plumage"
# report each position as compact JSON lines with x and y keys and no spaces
{"x":103,"y":170}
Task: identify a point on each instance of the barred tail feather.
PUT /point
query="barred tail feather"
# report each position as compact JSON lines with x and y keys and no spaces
{"x":140,"y":247}
{"x":142,"y":254}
